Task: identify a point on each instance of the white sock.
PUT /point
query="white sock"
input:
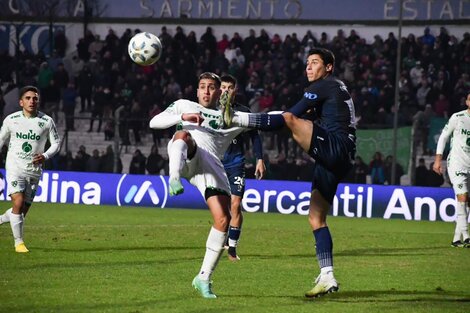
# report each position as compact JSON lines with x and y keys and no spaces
{"x":240,"y":119}
{"x":5,"y":217}
{"x":16,"y":223}
{"x":327,"y":270}
{"x":462,"y":224}
{"x":177,"y":153}
{"x":214,"y":248}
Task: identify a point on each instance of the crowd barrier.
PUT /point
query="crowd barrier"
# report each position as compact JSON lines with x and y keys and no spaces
{"x":266,"y":196}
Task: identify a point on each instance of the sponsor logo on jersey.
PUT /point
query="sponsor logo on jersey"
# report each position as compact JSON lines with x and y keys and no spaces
{"x":310,"y":96}
{"x":465,"y":132}
{"x":26,"y":147}
{"x":29,"y":136}
{"x":142,"y":190}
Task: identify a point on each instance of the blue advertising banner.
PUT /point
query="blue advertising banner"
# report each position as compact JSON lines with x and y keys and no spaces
{"x":358,"y":10}
{"x":33,"y":37}
{"x":265,"y":196}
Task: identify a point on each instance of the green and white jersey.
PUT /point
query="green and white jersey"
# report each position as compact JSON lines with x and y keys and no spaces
{"x":209,"y":135}
{"x":458,"y":127}
{"x":28,"y":136}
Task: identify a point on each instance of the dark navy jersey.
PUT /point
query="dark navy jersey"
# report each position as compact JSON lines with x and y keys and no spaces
{"x":235,"y":154}
{"x":328,"y":103}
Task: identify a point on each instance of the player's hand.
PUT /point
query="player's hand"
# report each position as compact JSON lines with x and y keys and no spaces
{"x":38,"y":159}
{"x":260,"y":169}
{"x":437,"y":168}
{"x":192,"y":117}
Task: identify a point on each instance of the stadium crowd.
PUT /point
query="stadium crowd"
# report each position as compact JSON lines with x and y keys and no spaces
{"x":101,"y":77}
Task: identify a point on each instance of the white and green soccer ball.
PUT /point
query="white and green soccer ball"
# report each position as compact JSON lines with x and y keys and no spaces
{"x":145,"y":48}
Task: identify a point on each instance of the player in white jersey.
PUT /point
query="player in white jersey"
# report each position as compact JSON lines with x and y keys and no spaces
{"x":195,"y":152}
{"x":28,"y":131}
{"x":458,"y":168}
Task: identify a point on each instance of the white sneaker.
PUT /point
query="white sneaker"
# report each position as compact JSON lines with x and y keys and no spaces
{"x":323,"y":284}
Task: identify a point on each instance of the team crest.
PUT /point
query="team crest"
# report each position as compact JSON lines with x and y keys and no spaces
{"x":14,"y":183}
{"x":41,"y":124}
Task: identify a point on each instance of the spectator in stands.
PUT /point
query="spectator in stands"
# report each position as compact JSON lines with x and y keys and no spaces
{"x":69,"y":100}
{"x":422,"y":94}
{"x":52,"y":97}
{"x":421,"y":173}
{"x":85,"y":87}
{"x":135,"y":123}
{"x":45,"y":75}
{"x":60,"y":42}
{"x":75,"y":68}
{"x":388,"y":171}
{"x":94,"y":162}
{"x":156,"y":163}
{"x":107,"y":161}
{"x":61,"y":76}
{"x":377,"y":169}
{"x":54,"y":61}
{"x":358,"y":173}
{"x":100,"y":99}
{"x":441,"y":106}
{"x":427,"y":39}
{"x":109,"y":130}
{"x":137,"y":165}
{"x":416,"y":74}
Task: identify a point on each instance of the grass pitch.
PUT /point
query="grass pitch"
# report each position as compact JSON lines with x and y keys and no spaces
{"x":136,"y":260}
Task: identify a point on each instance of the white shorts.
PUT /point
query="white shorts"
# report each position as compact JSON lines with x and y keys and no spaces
{"x":459,"y":180}
{"x":26,"y":185}
{"x":205,"y":171}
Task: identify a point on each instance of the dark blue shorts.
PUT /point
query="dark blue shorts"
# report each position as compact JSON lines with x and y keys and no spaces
{"x":236,"y":178}
{"x":334,"y":155}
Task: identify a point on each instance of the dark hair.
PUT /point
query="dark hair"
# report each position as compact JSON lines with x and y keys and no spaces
{"x":25,"y":89}
{"x":326,"y":55}
{"x":228,"y":79}
{"x":210,"y":75}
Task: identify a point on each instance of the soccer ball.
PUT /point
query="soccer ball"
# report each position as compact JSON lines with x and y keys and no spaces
{"x":145,"y":48}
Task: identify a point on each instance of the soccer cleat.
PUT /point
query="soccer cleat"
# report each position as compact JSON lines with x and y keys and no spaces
{"x":457,"y":244}
{"x":176,"y":187}
{"x":225,"y":101}
{"x":21,"y":248}
{"x":323,"y":284}
{"x":232,"y":254}
{"x":204,"y":288}
{"x":466,"y":243}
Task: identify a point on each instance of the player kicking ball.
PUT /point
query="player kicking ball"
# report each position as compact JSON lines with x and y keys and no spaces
{"x":195,"y":153}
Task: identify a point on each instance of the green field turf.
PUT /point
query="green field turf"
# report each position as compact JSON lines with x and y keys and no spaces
{"x":135,"y":260}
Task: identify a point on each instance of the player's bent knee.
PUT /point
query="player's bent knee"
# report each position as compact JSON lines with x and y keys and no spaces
{"x":221,"y":223}
{"x":182,"y":134}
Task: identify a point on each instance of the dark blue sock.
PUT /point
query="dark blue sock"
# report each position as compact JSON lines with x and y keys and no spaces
{"x":324,"y":247}
{"x":234,"y":233}
{"x":265,"y":121}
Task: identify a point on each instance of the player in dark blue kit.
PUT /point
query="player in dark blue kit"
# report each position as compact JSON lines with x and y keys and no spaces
{"x":234,"y":163}
{"x":329,"y":136}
